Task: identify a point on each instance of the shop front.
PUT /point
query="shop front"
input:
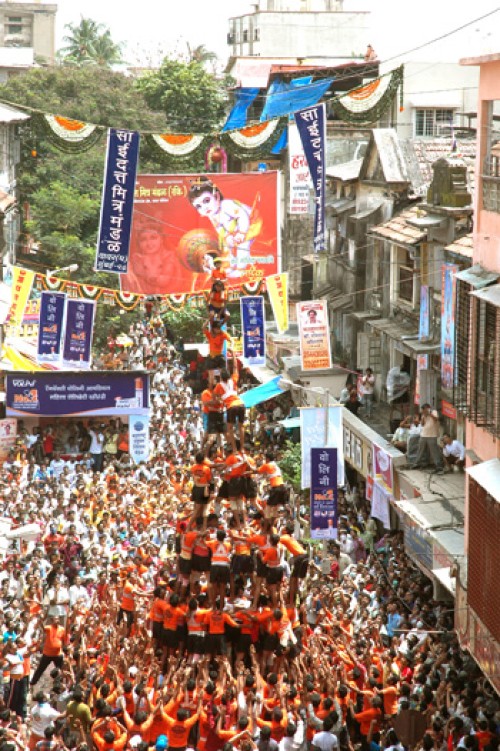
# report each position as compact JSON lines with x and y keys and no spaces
{"x":68,"y":403}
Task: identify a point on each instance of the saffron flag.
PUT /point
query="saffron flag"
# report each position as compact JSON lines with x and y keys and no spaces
{"x":77,"y":349}
{"x":254,"y":332}
{"x":277,"y":289}
{"x":50,"y":329}
{"x":117,"y":202}
{"x":311,"y":124}
{"x":22,"y":280}
{"x":314,"y":335}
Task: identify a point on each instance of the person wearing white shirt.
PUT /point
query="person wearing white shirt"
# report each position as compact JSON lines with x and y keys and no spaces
{"x":325,"y":740}
{"x":453,"y":453}
{"x":57,"y":599}
{"x":293,"y":738}
{"x":77,"y":592}
{"x":96,"y":449}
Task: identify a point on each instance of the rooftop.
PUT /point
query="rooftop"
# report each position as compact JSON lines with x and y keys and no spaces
{"x":399,"y":230}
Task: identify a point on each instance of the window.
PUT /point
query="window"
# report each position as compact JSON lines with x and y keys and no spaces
{"x":431,"y":122}
{"x":405,"y":276}
{"x":14,"y":25}
{"x":490,"y":177}
{"x":256,"y":35}
{"x":484,"y":389}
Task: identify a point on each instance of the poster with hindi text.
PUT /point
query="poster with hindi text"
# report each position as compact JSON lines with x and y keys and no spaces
{"x":314,"y":335}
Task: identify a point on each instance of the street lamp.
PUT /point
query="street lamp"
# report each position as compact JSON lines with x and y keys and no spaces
{"x":70,"y":269}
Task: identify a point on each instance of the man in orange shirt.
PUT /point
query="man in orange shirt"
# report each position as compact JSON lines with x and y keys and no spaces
{"x":216,"y":338}
{"x":227,"y":392}
{"x":299,"y":563}
{"x":128,"y":600}
{"x":202,"y":489}
{"x":213,"y":417}
{"x":220,"y":567}
{"x":52,"y":648}
{"x":278,"y":494}
{"x":109,"y":740}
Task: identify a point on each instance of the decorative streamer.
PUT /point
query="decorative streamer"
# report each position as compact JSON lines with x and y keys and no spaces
{"x":68,"y":135}
{"x":367,"y":103}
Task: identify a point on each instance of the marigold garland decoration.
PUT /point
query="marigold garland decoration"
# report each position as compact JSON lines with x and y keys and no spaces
{"x":367,"y":103}
{"x":67,"y":134}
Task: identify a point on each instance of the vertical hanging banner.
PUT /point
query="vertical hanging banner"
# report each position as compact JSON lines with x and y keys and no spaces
{"x":50,"y":329}
{"x":319,"y":427}
{"x":277,"y":289}
{"x":448,"y":299}
{"x":300,"y":175}
{"x":424,"y":321}
{"x":382,"y":468}
{"x":77,"y":348}
{"x":311,"y":124}
{"x":8,"y":436}
{"x":22,"y":281}
{"x":117,"y":201}
{"x":422,"y":364}
{"x":324,"y":520}
{"x":314,"y":335}
{"x":254,"y":332}
{"x":138,"y":426}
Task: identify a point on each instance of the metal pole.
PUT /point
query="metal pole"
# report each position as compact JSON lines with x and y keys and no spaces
{"x":327,"y":416}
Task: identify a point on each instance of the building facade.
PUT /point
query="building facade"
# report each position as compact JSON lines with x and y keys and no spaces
{"x":27,"y":35}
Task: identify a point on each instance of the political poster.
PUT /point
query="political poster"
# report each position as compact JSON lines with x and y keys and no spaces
{"x":183,"y":223}
{"x":50,"y":394}
{"x":323,"y":519}
{"x":254,"y":331}
{"x":314,"y":335}
{"x":320,"y":427}
{"x":300,"y":183}
{"x":277,"y":289}
{"x":138,"y":426}
{"x":311,"y":124}
{"x":8,"y":436}
{"x":50,"y":328}
{"x":78,"y":333}
{"x":382,"y":468}
{"x":448,"y":303}
{"x":117,"y":203}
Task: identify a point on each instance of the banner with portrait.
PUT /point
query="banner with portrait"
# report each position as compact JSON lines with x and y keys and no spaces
{"x":254,"y":330}
{"x":117,"y":201}
{"x":319,"y":427}
{"x":8,"y":436}
{"x":78,"y":333}
{"x":323,"y":518}
{"x":448,"y":305}
{"x":382,"y":468}
{"x":314,"y":335}
{"x":183,"y":223}
{"x":50,"y":328}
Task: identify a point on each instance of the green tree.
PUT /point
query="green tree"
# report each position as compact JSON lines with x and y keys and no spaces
{"x":192,"y":99}
{"x":291,"y":464}
{"x":186,"y":323}
{"x":90,"y":43}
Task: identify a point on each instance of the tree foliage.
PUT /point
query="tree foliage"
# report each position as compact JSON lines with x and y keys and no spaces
{"x":90,"y":43}
{"x":193,"y":100}
{"x":291,"y":464}
{"x":186,"y":323}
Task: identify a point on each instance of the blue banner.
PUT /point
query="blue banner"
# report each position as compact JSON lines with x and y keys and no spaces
{"x":138,"y":427}
{"x":253,"y":328}
{"x":54,"y":394}
{"x":77,"y":348}
{"x":424,"y":321}
{"x":284,"y":98}
{"x":448,"y":305}
{"x":117,"y":201}
{"x":311,"y":124}
{"x":50,"y":329}
{"x":324,"y":517}
{"x":321,"y":427}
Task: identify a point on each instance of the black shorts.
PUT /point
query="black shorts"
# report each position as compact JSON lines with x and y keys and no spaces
{"x":261,"y":568}
{"x":215,"y":644}
{"x":177,"y":544}
{"x":170,"y":638}
{"x":157,"y":630}
{"x":219,"y":574}
{"x":217,"y":362}
{"x":250,"y":490}
{"x":223,"y":491}
{"x":200,"y":494}
{"x":274,"y":575}
{"x":244,"y":643}
{"x":271,"y":643}
{"x":235,"y":486}
{"x":200,"y":563}
{"x":300,"y":566}
{"x":216,"y":422}
{"x":184,"y":566}
{"x":236,"y":414}
{"x":242,"y":564}
{"x":278,"y":496}
{"x":129,"y":616}
{"x":195,"y":644}
{"x":182,"y":632}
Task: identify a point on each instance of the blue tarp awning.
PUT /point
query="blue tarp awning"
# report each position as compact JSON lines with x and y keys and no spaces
{"x":262,"y":393}
{"x":237,"y":118}
{"x":285,"y":98}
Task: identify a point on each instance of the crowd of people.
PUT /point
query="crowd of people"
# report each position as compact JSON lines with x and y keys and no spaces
{"x":180,"y":603}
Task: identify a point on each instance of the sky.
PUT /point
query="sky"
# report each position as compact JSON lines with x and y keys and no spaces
{"x":149,"y":26}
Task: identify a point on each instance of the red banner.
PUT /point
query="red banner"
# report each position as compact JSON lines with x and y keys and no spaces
{"x":182,"y":223}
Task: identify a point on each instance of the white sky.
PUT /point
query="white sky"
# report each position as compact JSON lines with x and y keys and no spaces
{"x":396,"y":25}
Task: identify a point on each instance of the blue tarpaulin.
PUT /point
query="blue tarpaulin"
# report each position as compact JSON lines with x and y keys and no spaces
{"x":285,"y":98}
{"x":262,"y":393}
{"x":238,"y":116}
{"x":281,"y":143}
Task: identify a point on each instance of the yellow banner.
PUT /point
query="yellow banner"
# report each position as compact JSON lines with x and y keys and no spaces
{"x":21,"y":287}
{"x":277,"y":287}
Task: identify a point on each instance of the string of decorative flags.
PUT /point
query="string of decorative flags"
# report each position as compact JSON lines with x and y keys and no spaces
{"x":363,"y":104}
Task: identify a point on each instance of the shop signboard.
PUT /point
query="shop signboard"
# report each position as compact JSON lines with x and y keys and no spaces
{"x":138,"y":426}
{"x":79,"y":393}
{"x":418,"y":544}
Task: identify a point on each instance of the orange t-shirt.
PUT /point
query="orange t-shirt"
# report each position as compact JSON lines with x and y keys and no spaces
{"x":216,"y":342}
{"x":128,"y":600}
{"x":54,"y":638}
